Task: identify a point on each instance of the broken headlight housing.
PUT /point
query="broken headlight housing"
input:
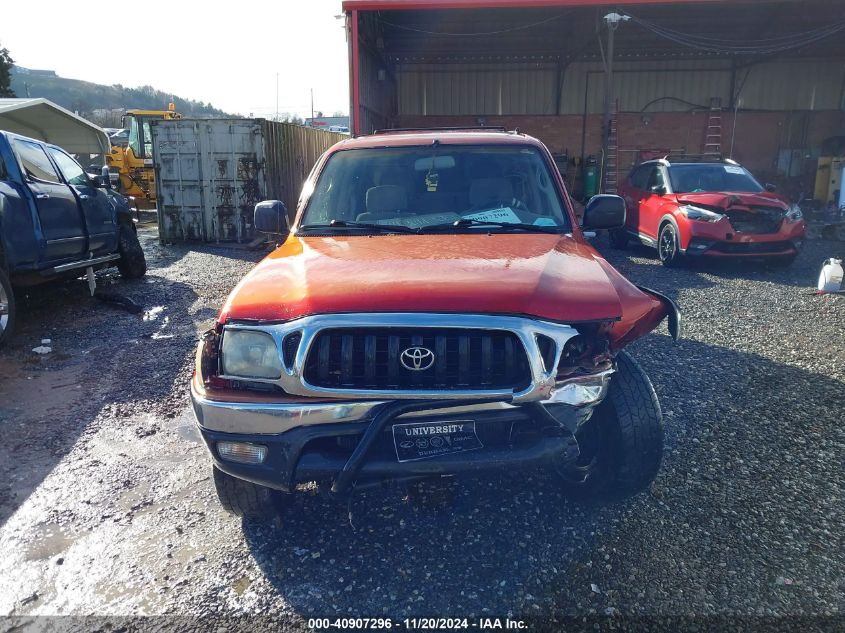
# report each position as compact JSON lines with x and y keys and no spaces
{"x":697,"y":213}
{"x":794,"y":214}
{"x":249,"y":354}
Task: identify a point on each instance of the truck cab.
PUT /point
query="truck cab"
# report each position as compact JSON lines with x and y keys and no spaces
{"x":56,"y":220}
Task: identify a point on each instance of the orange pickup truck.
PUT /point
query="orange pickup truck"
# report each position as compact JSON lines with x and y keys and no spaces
{"x":434,"y":309}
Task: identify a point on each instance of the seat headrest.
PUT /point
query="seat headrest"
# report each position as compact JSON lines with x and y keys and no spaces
{"x":386,"y":198}
{"x":485,"y":190}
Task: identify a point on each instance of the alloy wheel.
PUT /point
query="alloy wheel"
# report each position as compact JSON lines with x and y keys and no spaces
{"x":667,"y":244}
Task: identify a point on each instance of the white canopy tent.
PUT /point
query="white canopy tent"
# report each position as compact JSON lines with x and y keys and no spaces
{"x":46,"y":121}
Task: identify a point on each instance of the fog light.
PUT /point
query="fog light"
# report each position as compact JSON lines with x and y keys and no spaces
{"x":697,"y":246}
{"x":241,"y":452}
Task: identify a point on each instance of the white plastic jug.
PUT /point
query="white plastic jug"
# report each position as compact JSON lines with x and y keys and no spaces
{"x":830,"y":278}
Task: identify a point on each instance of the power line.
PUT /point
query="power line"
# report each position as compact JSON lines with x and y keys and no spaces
{"x":748,"y":47}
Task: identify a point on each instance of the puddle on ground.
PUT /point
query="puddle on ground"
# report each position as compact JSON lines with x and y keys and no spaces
{"x":46,"y":541}
{"x":153,"y":313}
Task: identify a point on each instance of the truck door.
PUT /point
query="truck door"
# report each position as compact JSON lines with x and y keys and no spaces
{"x":99,"y":216}
{"x":62,"y":226}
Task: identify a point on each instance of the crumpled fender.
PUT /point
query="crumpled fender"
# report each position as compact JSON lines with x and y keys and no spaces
{"x":643,"y":310}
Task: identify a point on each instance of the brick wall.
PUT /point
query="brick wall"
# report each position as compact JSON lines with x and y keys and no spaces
{"x":759,"y":135}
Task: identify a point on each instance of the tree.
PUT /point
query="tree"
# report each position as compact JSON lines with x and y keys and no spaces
{"x":6,"y":63}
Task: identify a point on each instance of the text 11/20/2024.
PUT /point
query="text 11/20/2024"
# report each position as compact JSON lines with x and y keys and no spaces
{"x":417,"y":624}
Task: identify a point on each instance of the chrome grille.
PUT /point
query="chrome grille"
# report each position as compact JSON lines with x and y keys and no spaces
{"x":371,"y":359}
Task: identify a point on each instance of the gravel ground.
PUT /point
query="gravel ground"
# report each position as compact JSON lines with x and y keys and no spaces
{"x":107,"y":507}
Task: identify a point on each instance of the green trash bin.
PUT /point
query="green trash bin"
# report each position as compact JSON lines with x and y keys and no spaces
{"x":590,"y":177}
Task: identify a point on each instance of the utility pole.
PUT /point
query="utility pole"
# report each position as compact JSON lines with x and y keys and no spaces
{"x":312,"y":106}
{"x":277,"y":97}
{"x":613,"y":20}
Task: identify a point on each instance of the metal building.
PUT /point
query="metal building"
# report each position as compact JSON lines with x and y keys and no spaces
{"x":762,"y":81}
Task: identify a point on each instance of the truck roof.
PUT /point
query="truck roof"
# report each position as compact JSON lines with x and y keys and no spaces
{"x":463,"y":136}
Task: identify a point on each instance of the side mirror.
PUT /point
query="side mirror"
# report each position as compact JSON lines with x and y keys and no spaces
{"x":604,"y":211}
{"x":771,"y":188}
{"x":271,"y":216}
{"x":658,"y":190}
{"x":102,"y":181}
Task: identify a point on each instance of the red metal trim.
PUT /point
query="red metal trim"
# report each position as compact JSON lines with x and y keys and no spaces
{"x":399,"y":5}
{"x":356,"y":77}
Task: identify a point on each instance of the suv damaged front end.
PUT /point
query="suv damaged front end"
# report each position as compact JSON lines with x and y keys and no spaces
{"x":350,"y":400}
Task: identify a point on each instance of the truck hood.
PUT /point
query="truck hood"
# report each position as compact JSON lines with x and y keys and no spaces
{"x":551,"y":277}
{"x":726,"y":200}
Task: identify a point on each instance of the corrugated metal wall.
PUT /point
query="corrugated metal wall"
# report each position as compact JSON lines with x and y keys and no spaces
{"x":483,"y":89}
{"x":636,"y":84}
{"x":291,"y":151}
{"x":530,"y":88}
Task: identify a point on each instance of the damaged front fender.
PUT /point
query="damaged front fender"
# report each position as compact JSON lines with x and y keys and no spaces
{"x":643,"y":310}
{"x":673,"y":315}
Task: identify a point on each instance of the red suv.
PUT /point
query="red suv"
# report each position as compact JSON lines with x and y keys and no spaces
{"x":712,"y":209}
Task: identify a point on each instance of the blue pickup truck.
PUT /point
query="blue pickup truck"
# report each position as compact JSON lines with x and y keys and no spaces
{"x":57,"y":221}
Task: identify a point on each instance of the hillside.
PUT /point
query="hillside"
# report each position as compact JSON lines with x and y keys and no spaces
{"x":100,"y":103}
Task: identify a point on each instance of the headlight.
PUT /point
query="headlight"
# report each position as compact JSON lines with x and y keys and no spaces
{"x":250,"y":354}
{"x":794,"y":214}
{"x":697,"y":213}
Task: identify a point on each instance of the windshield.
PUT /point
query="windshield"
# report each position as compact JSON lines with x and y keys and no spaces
{"x":454,"y":187}
{"x":714,"y":177}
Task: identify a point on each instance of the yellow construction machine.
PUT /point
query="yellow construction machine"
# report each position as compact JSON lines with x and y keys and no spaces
{"x":134,"y":163}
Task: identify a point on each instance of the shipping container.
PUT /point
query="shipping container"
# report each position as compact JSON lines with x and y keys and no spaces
{"x":210,"y":173}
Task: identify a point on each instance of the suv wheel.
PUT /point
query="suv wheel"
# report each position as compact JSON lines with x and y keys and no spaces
{"x":668,"y":246}
{"x":618,"y":238}
{"x":132,"y":264}
{"x":246,"y":499}
{"x":7,"y":307}
{"x":622,"y":443}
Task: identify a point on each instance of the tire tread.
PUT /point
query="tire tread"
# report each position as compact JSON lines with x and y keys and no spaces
{"x":132,"y":263}
{"x":244,"y":498}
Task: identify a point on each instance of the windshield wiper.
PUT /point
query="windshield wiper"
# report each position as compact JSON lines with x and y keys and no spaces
{"x":467,"y":222}
{"x":343,"y":224}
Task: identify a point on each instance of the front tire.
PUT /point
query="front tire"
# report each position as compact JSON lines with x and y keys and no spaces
{"x":132,"y":264}
{"x":246,"y":499}
{"x":669,"y":246}
{"x":7,"y":308}
{"x":622,"y":443}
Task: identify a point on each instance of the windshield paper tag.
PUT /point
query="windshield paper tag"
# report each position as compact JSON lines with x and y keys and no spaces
{"x":544,"y":222}
{"x":504,"y":214}
{"x":734,"y":170}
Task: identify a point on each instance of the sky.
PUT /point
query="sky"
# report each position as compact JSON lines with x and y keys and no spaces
{"x":225,"y":53}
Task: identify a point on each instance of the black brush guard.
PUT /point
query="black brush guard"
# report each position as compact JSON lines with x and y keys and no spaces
{"x":290,"y":460}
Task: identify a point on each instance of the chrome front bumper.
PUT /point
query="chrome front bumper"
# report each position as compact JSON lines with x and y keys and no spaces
{"x":275,"y":418}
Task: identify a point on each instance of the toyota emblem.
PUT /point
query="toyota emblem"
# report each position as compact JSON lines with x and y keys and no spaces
{"x":417,"y":358}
